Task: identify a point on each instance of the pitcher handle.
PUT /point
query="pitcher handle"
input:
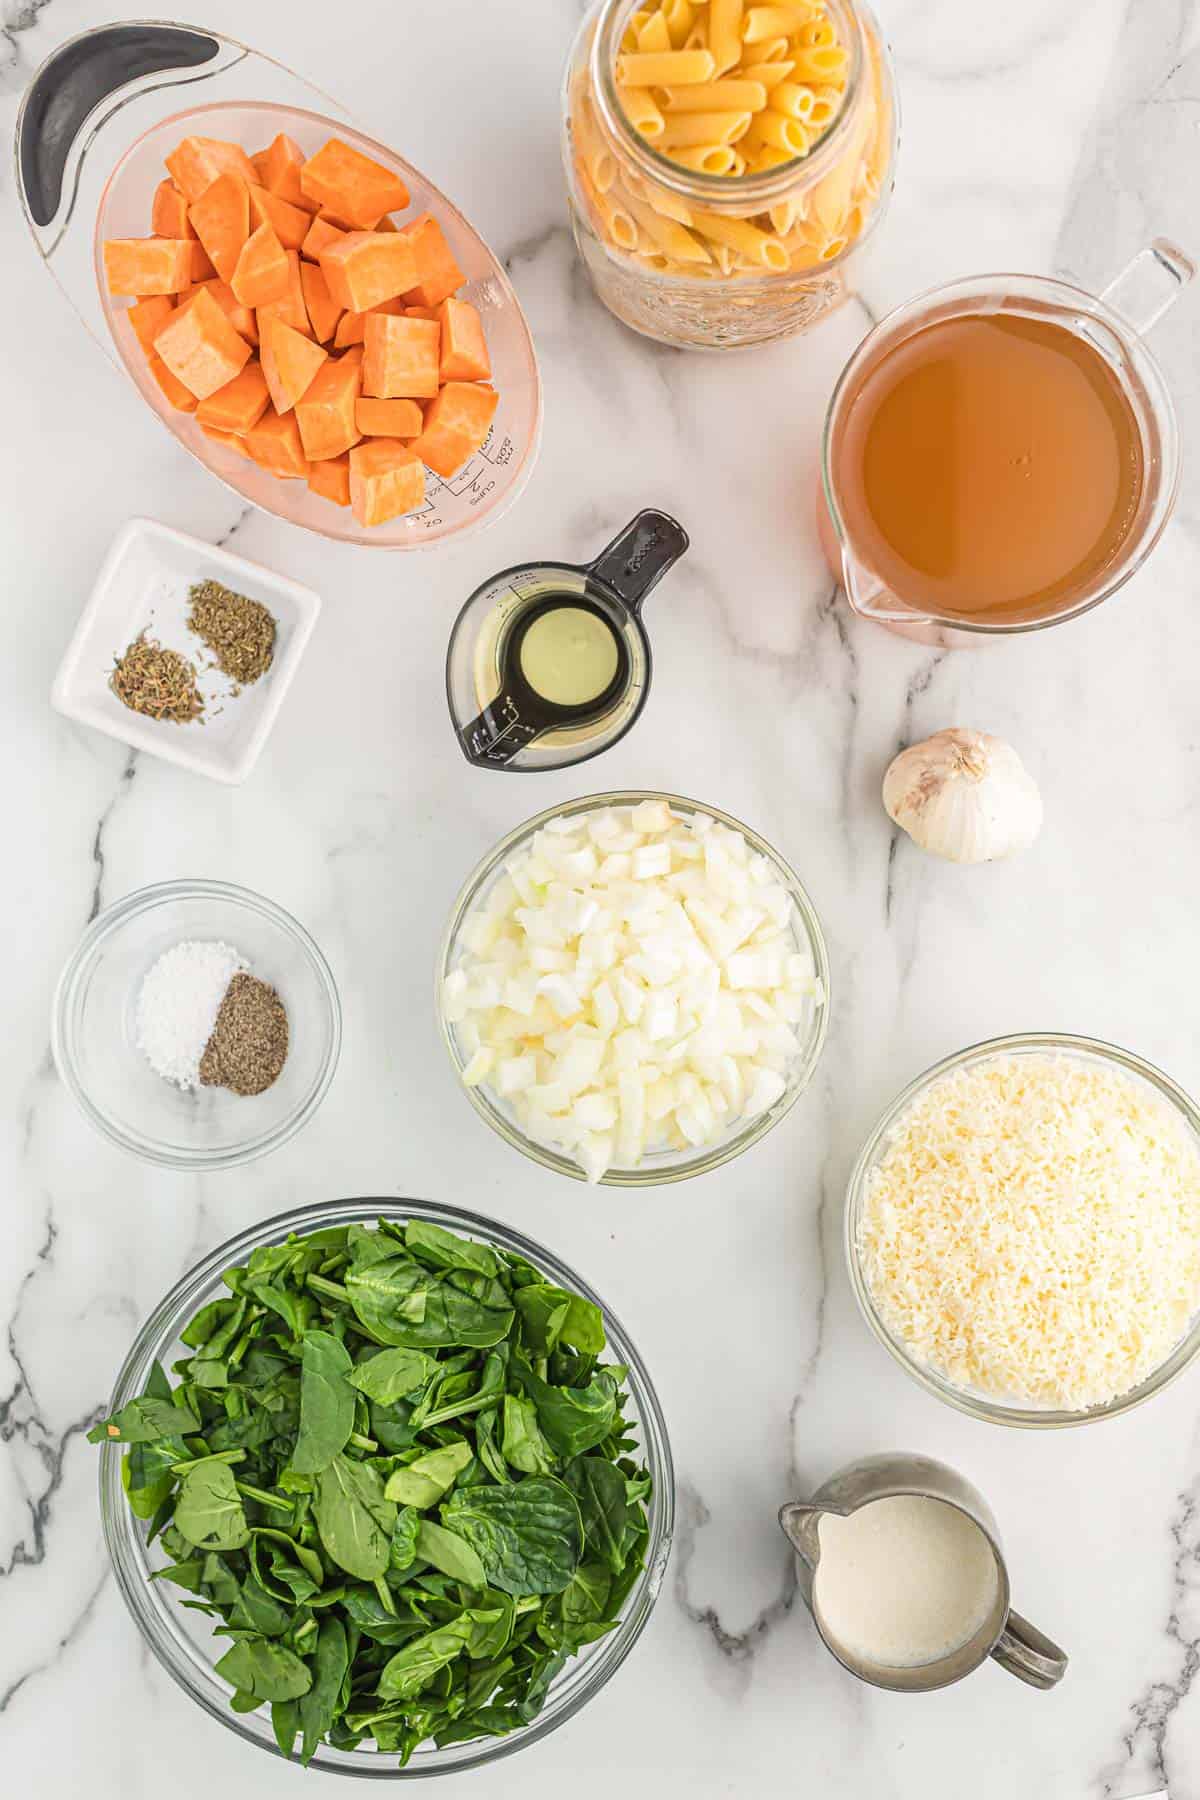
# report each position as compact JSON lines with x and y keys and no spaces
{"x":1149,"y":285}
{"x":1028,"y":1654}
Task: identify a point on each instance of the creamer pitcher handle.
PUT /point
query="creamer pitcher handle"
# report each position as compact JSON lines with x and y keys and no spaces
{"x":1150,"y":284}
{"x":1029,"y":1655}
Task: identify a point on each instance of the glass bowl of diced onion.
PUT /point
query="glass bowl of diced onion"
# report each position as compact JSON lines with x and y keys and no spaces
{"x":634,"y":988}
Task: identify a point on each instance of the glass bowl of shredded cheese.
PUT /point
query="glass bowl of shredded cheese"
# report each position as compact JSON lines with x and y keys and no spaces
{"x":634,"y":988}
{"x":1023,"y":1230}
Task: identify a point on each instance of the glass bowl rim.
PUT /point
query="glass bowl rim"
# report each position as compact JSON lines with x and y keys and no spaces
{"x":150,"y":1611}
{"x":726,"y":1149}
{"x":978,"y":1406}
{"x":91,"y":942}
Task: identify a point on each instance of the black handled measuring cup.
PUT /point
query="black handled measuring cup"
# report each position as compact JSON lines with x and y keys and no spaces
{"x":549,"y":663}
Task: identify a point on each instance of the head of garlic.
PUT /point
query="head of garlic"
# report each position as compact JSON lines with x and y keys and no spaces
{"x":964,"y":795}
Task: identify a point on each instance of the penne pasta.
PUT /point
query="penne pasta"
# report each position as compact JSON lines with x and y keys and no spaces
{"x":680,"y":17}
{"x":738,"y":165}
{"x":715,"y":96}
{"x":622,"y":230}
{"x":770,"y":74}
{"x":797,"y":102}
{"x":823,"y":63}
{"x":654,"y":34}
{"x":686,"y":129}
{"x":707,"y":159}
{"x":817,"y":31}
{"x":758,"y":247}
{"x":640,"y":110}
{"x":673,"y":239}
{"x":668,"y":204}
{"x":783,"y":216}
{"x":597,"y":159}
{"x":629,"y":37}
{"x":776,"y":131}
{"x":664,"y":68}
{"x":725,"y":32}
{"x":763,"y":22}
{"x":772,"y":50}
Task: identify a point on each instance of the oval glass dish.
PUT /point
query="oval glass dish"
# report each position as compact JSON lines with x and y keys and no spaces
{"x":182,"y":1640}
{"x":93,"y":1029}
{"x":983,"y":1406}
{"x":662,"y":1166}
{"x":111,"y":88}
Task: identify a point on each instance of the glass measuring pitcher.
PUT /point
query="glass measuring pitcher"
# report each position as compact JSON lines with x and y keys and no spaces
{"x":549,"y":663}
{"x":948,"y":420}
{"x":1019,"y":1647}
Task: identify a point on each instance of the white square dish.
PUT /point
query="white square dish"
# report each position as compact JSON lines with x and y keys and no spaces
{"x":143,"y":587}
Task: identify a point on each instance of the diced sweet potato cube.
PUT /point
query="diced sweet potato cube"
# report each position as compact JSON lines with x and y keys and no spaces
{"x":259,"y":159}
{"x":240,"y":317}
{"x":169,"y":214}
{"x":289,"y":361}
{"x":331,"y":479}
{"x":221,"y":218}
{"x":389,"y":418}
{"x":438,"y":275}
{"x":323,"y":311}
{"x":326,"y":413}
{"x":351,"y":325}
{"x":464,"y":351}
{"x":202,"y":265}
{"x":174,"y":390}
{"x":386,"y":479}
{"x":401,"y":357}
{"x":229,"y":440}
{"x":279,"y":167}
{"x":147,"y":315}
{"x":365,"y":268}
{"x":274,"y":443}
{"x":456,"y":425}
{"x":319,"y":237}
{"x":387,"y":223}
{"x":291,"y":309}
{"x":261,"y":273}
{"x":290,"y":223}
{"x":151,"y":265}
{"x":197,"y":162}
{"x":200,"y":345}
{"x":350,"y":186}
{"x":421,"y":312}
{"x":239,"y":405}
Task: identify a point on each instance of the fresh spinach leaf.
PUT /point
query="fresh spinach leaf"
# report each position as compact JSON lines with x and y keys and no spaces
{"x":318,"y":1707}
{"x":529,"y":1536}
{"x":327,"y":1403}
{"x":209,"y":1511}
{"x":354,"y":1517}
{"x":422,"y":1483}
{"x":265,"y":1669}
{"x":450,"y":1553}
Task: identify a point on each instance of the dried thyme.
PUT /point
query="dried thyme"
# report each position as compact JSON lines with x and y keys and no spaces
{"x":249,"y":1042}
{"x":240,"y":632}
{"x":159,"y":683}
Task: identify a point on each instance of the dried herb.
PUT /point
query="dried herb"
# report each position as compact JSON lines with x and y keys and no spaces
{"x":249,"y":1042}
{"x":239,"y":632}
{"x":159,"y":683}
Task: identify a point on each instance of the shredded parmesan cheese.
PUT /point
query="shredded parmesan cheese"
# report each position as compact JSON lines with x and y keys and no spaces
{"x":1032,"y":1230}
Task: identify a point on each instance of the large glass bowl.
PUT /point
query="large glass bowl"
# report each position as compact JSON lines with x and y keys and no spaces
{"x":660,"y":1166}
{"x":94,"y":1026}
{"x":971,"y":1400}
{"x":182,"y":1640}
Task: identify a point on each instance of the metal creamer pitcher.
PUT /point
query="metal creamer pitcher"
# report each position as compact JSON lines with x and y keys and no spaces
{"x":1004,"y":1635}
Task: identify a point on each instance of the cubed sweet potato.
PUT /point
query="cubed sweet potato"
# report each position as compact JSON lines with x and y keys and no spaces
{"x":169,"y":214}
{"x":239,"y":405}
{"x":350,"y":186}
{"x":421,"y":312}
{"x":173,"y":389}
{"x":365,"y":268}
{"x":290,"y":223}
{"x":200,"y":346}
{"x":261,"y":273}
{"x":325,"y":415}
{"x":197,"y":161}
{"x":229,"y":440}
{"x":331,"y":479}
{"x":279,"y":167}
{"x":401,"y":357}
{"x":319,"y":237}
{"x":456,"y":425}
{"x":274,"y":443}
{"x":464,"y":351}
{"x":291,"y":309}
{"x":386,"y":479}
{"x":389,"y":418}
{"x":221,"y":219}
{"x":438,"y":275}
{"x":323,"y":311}
{"x":351,"y":325}
{"x":240,"y":317}
{"x":147,"y":315}
{"x":289,"y":361}
{"x":151,"y":265}
{"x":202,"y":264}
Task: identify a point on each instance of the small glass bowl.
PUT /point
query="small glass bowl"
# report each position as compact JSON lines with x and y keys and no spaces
{"x":94,"y":1033}
{"x":182,"y":1640}
{"x":972,"y":1400}
{"x":660,"y":1166}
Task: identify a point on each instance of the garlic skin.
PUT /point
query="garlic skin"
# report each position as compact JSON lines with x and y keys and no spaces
{"x":964,"y":795}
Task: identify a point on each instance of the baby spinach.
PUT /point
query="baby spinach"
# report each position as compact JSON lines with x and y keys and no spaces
{"x":393,"y":1469}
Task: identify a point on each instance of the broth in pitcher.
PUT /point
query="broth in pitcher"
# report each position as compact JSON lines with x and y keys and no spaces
{"x":990,"y":467}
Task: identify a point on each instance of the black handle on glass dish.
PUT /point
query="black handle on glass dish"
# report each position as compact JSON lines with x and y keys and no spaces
{"x":624,"y":572}
{"x":77,"y":77}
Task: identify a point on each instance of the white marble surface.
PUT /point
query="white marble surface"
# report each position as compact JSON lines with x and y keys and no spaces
{"x":1047,"y":134}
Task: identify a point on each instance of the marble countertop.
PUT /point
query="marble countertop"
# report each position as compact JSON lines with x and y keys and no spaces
{"x":1044,"y":135}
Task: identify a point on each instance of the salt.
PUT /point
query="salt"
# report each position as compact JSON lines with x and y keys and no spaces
{"x":177,"y":1007}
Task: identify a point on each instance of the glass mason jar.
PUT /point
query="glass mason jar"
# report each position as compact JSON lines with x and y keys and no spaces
{"x":711,"y":252}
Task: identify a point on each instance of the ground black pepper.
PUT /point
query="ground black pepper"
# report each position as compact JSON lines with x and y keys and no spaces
{"x":249,"y":1042}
